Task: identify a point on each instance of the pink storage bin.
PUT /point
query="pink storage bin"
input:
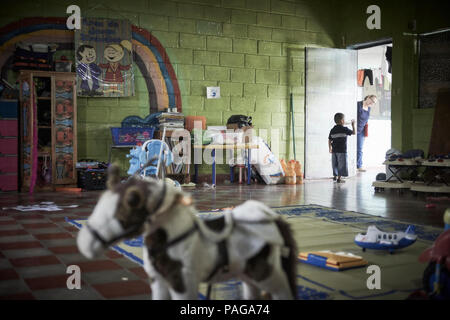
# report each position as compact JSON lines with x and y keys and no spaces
{"x":8,"y":128}
{"x":8,"y":164}
{"x":8,"y":182}
{"x":8,"y":146}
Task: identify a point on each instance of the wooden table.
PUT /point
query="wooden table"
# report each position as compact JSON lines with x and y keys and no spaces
{"x":214,"y":147}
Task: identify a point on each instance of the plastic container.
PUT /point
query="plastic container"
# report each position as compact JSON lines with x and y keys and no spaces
{"x":131,"y":136}
{"x":189,"y":122}
{"x":290,"y":173}
{"x":92,"y":179}
{"x":298,"y":172}
{"x":291,"y":180}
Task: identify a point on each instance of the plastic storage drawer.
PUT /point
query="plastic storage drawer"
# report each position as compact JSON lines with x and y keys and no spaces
{"x":8,"y":182}
{"x":8,"y":164}
{"x":8,"y":128}
{"x":8,"y":146}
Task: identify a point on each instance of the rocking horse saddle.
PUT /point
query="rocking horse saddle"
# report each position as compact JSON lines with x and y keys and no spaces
{"x":241,"y":233}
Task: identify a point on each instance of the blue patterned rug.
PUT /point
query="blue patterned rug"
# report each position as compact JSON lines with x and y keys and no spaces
{"x":319,"y":228}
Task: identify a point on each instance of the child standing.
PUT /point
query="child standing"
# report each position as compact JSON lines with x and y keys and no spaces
{"x":337,"y":144}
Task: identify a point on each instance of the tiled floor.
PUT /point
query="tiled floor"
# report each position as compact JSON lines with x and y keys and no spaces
{"x":37,"y":247}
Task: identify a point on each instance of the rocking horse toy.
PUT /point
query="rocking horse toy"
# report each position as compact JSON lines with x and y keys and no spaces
{"x":250,"y":242}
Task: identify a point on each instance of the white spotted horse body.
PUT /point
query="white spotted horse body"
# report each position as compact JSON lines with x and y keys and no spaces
{"x":250,"y":242}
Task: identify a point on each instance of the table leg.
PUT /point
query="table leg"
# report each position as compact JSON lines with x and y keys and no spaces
{"x":196,"y":173}
{"x":214,"y":167}
{"x":249,"y":172}
{"x":109,"y":156}
{"x":394,"y":174}
{"x":437,"y":176}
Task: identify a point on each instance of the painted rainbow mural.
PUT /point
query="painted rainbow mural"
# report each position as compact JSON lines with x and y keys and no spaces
{"x":149,"y":55}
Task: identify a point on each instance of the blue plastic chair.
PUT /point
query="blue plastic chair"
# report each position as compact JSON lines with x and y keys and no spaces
{"x":150,"y":151}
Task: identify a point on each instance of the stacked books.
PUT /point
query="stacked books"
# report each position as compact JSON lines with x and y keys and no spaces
{"x":170,"y":120}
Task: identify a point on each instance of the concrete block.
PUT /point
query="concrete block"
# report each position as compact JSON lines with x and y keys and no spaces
{"x":191,"y":72}
{"x":223,"y":44}
{"x":243,"y":75}
{"x":269,"y":48}
{"x":217,"y":73}
{"x":231,"y":59}
{"x":235,"y":30}
{"x":206,"y":57}
{"x":209,"y":27}
{"x":192,"y":41}
{"x":266,"y":76}
{"x":256,"y":62}
{"x":245,"y":46}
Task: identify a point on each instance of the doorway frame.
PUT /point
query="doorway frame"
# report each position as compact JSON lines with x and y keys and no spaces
{"x":371,"y":44}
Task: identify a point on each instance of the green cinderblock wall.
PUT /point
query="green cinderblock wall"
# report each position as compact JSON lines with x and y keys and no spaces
{"x":252,"y":49}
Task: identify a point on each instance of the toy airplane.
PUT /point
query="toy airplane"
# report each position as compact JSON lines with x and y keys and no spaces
{"x":379,"y":240}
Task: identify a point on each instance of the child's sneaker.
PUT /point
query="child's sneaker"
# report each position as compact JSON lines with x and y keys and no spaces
{"x":334,"y":178}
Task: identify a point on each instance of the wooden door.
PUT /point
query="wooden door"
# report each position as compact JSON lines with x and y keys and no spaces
{"x":64,"y":133}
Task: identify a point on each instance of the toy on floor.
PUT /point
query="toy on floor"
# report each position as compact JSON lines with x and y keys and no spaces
{"x":250,"y":243}
{"x":338,"y":261}
{"x":149,"y":152}
{"x":379,"y":240}
{"x":436,"y":277}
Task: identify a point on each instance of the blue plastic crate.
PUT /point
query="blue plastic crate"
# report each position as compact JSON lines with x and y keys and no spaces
{"x":131,"y":136}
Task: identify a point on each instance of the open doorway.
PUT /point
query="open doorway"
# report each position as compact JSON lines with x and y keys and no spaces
{"x":374,"y":63}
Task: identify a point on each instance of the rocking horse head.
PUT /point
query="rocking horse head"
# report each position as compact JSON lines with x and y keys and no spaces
{"x":123,"y":210}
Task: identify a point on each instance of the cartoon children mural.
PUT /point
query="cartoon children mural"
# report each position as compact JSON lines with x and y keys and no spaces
{"x":114,"y":53}
{"x":88,"y":71}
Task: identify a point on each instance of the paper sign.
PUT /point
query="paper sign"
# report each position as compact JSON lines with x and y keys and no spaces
{"x":212,"y":92}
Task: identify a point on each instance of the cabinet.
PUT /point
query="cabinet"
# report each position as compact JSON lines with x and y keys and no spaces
{"x":48,"y":130}
{"x":8,"y":145}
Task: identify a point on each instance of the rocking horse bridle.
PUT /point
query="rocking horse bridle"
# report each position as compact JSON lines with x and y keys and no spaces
{"x":129,"y":231}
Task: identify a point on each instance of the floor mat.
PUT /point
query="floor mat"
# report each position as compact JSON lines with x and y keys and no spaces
{"x":319,"y":228}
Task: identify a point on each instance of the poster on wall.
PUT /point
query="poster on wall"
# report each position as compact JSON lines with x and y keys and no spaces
{"x":104,"y":58}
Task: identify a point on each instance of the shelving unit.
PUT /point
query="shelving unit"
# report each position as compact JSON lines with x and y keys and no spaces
{"x":48,"y":129}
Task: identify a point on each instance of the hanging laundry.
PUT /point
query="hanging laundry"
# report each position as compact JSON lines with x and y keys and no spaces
{"x":377,"y":77}
{"x":389,"y":58}
{"x":386,"y":84}
{"x":362,"y":74}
